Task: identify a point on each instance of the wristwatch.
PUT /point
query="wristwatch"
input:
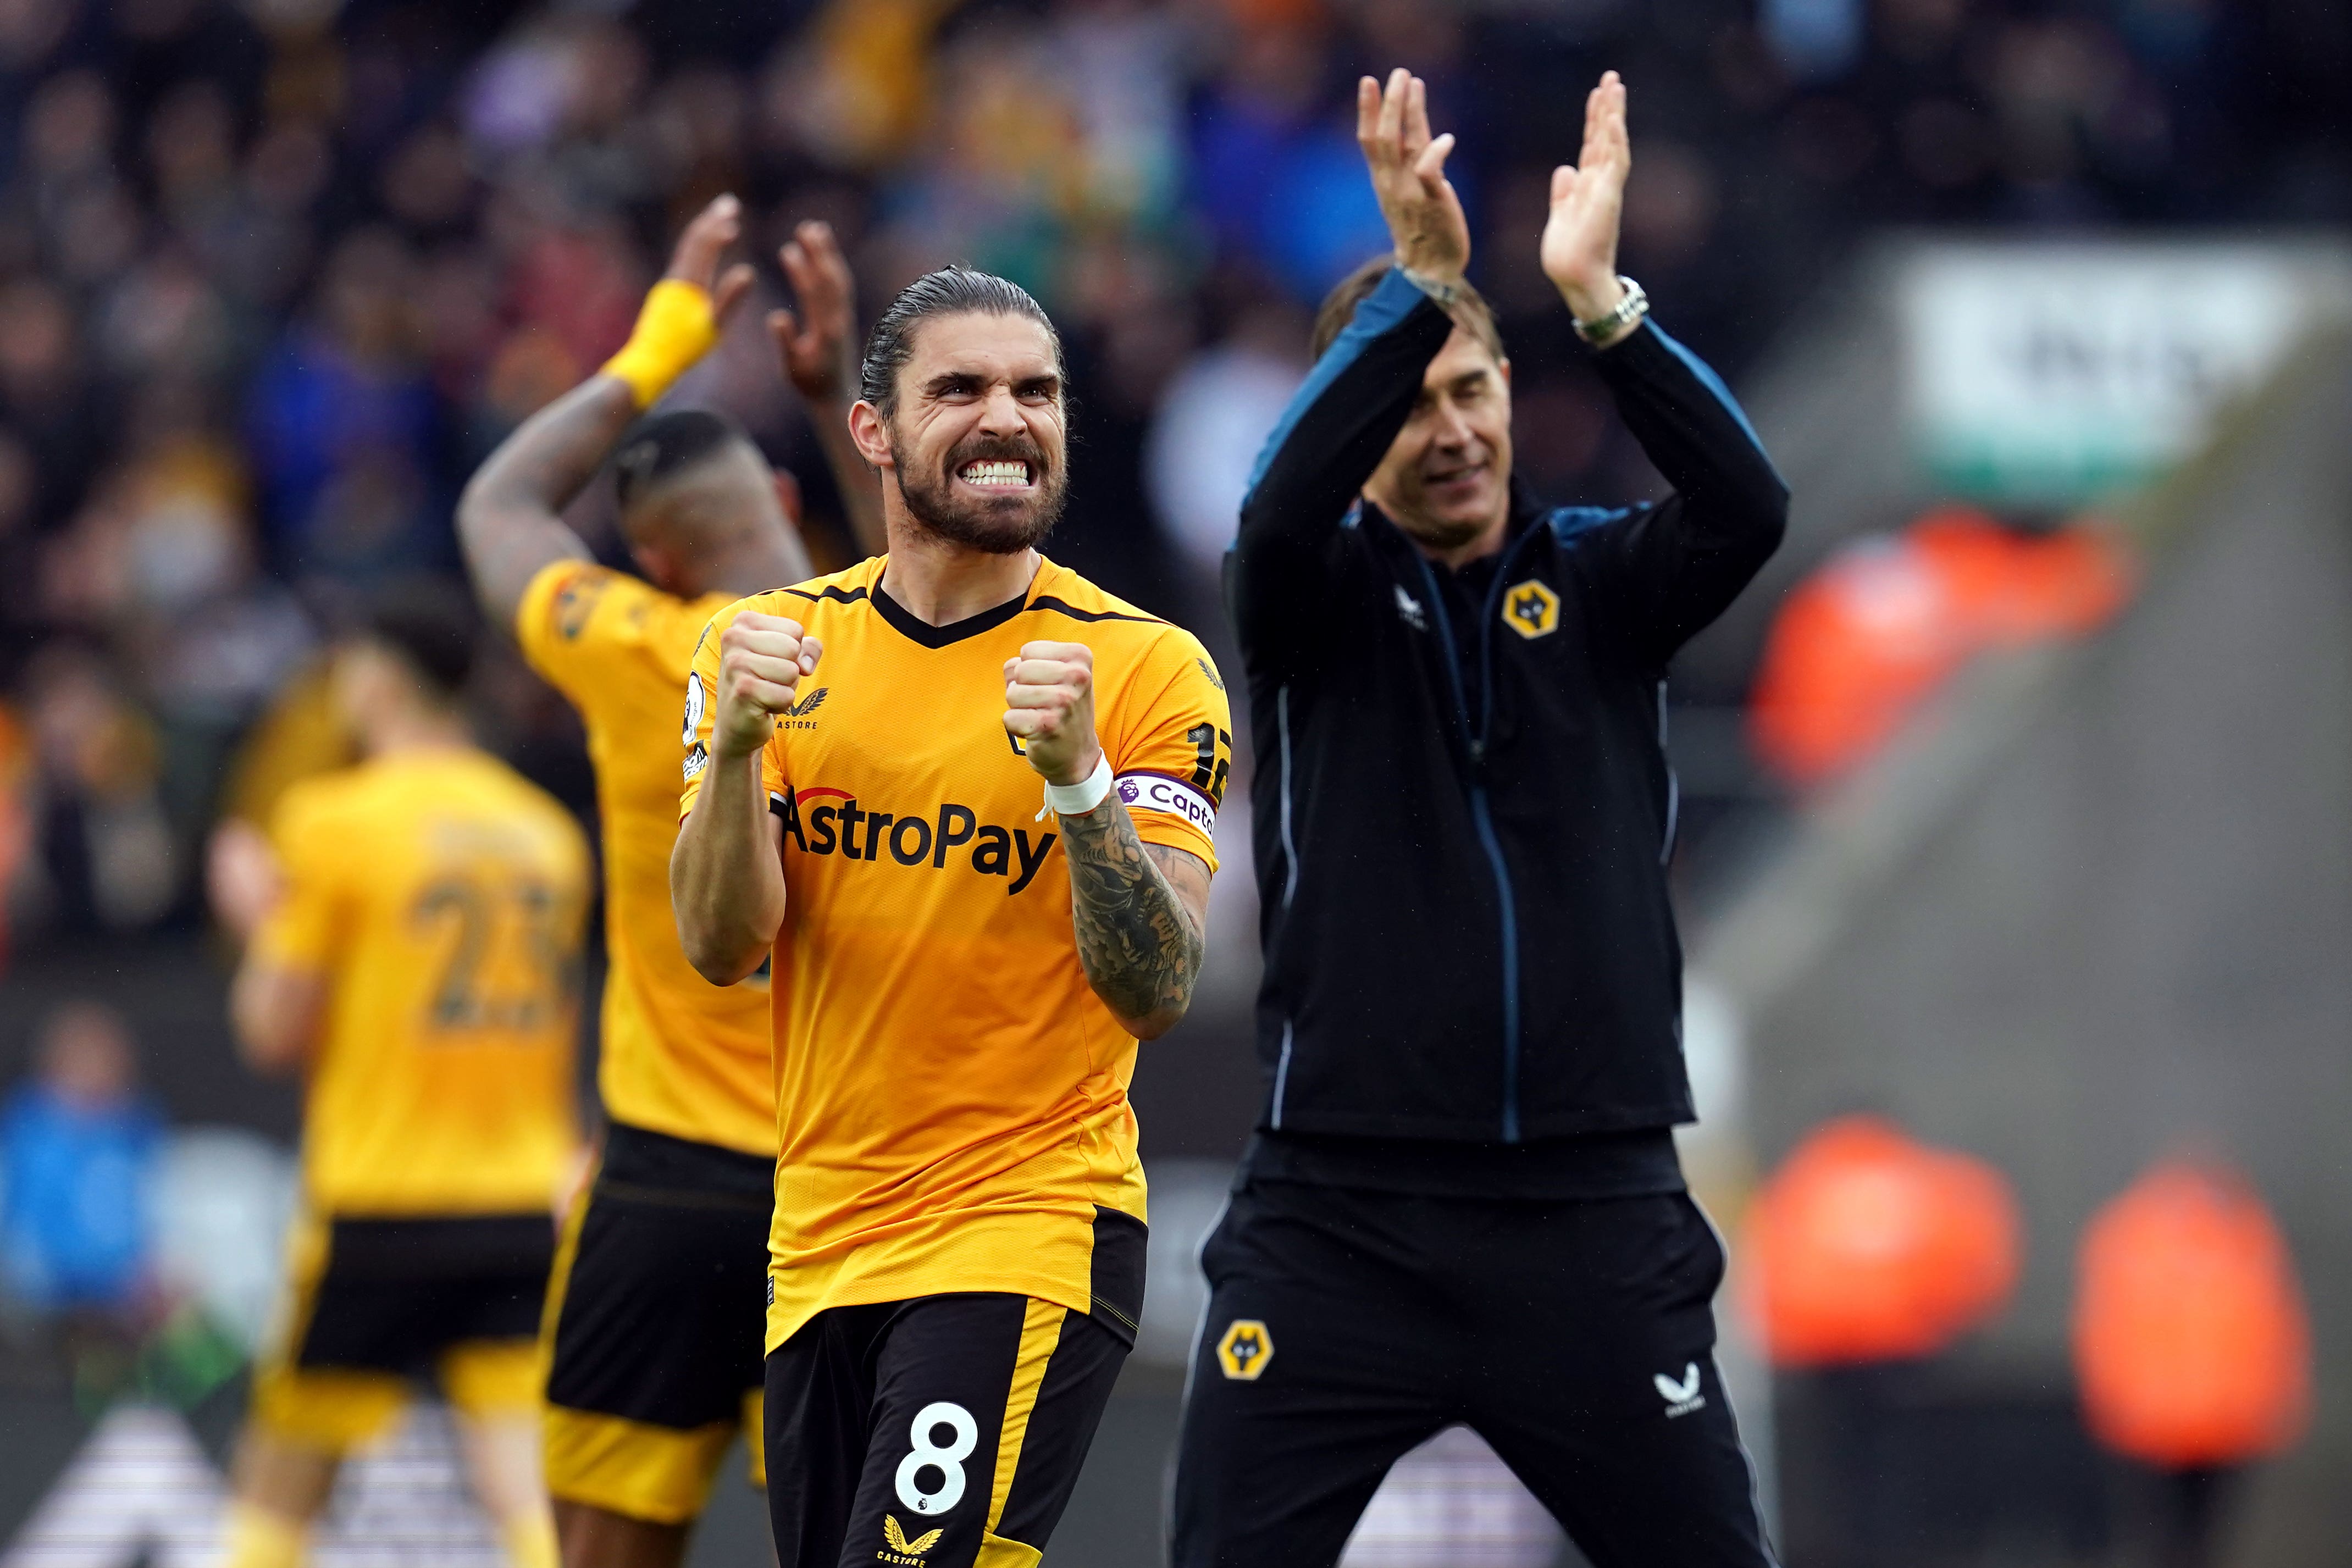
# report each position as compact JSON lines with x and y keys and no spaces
{"x":1443,"y":294}
{"x":1630,"y":310}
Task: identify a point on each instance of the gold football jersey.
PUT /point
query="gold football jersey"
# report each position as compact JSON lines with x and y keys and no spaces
{"x":441,"y":897}
{"x":951,"y":1096}
{"x":679,"y":1055}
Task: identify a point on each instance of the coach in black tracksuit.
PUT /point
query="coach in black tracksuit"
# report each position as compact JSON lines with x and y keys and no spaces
{"x":1463,"y":1203}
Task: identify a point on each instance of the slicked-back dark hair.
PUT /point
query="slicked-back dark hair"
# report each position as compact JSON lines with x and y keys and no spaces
{"x":431,"y":626}
{"x":1471,"y":311}
{"x":661,"y":445}
{"x":950,"y":291}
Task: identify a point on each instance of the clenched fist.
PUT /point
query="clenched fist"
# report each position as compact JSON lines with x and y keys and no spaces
{"x":762,"y":659}
{"x":1049,"y":700}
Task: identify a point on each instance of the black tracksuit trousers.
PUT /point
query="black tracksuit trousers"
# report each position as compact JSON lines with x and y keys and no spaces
{"x":1345,"y":1327}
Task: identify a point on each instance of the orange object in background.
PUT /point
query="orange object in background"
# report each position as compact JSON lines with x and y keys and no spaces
{"x":1871,"y":1246}
{"x":1884,"y":621}
{"x":15,"y":812}
{"x":2191,"y":1343}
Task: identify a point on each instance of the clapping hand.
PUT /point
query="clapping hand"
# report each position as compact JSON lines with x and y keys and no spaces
{"x":1588,"y":201}
{"x":1408,"y":168}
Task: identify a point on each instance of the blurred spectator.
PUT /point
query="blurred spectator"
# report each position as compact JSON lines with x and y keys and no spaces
{"x":1275,"y":169}
{"x":2191,"y":1343}
{"x":1859,"y":645}
{"x":1868,"y":1256}
{"x":1212,"y":421}
{"x":103,"y":858}
{"x":1872,"y":1246}
{"x":79,"y":1146}
{"x":344,"y":429}
{"x":43,"y":395}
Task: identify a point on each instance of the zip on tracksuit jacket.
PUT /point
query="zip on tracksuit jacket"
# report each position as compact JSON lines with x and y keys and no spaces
{"x":1463,"y":807}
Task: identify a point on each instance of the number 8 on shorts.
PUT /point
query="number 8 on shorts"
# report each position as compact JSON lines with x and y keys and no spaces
{"x":948,"y":1461}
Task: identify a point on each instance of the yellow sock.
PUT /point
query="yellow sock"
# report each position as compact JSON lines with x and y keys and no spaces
{"x":529,"y":1540}
{"x":260,"y":1538}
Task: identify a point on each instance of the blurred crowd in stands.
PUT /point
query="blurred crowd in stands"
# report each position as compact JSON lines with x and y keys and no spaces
{"x":275,"y":275}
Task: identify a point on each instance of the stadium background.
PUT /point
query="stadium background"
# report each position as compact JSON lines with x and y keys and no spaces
{"x":274,"y":277}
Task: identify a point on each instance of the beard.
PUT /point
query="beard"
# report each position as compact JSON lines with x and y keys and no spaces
{"x":998,"y":525}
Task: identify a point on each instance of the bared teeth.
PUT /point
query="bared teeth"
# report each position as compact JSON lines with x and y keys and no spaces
{"x":997,"y":472}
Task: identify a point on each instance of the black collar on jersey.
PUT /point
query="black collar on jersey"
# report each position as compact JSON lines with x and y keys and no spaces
{"x":931,"y":637}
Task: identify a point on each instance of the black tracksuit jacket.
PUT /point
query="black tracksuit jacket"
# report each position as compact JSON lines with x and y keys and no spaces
{"x":1463,"y":807}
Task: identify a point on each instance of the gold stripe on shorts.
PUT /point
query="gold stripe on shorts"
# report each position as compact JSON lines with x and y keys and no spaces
{"x":1041,"y":1330}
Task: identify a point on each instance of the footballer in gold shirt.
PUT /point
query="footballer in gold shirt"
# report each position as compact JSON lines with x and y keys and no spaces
{"x":654,"y":1314}
{"x":961,"y":969}
{"x":414,"y":932}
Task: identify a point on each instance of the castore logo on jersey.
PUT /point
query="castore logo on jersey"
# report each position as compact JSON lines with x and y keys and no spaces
{"x":1682,"y":1396}
{"x":796,"y":717}
{"x":898,"y":1549}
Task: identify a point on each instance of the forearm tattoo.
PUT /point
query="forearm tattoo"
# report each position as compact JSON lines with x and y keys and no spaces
{"x":1140,"y":944}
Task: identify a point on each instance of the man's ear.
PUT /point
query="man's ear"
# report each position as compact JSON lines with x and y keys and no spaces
{"x":1504,"y":366}
{"x":653,"y":563}
{"x":873,"y":438}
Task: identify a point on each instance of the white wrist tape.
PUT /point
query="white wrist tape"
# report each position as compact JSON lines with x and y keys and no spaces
{"x":1077,"y":799}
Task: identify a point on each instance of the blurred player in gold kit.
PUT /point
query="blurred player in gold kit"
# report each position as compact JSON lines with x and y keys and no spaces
{"x":413,"y":930}
{"x":655,"y":1316}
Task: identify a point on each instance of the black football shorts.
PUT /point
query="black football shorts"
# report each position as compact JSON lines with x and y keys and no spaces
{"x":940,"y":1432}
{"x":375,"y":1306}
{"x":657,"y":1313}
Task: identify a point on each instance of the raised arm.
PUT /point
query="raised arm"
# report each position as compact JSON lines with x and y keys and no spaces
{"x":511,"y":518}
{"x":1140,"y":911}
{"x":1678,"y":564}
{"x":727,"y":873}
{"x":819,"y":348}
{"x":1343,"y":419}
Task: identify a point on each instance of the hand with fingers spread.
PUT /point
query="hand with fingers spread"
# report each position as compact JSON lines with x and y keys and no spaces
{"x":1588,"y":200}
{"x":682,"y":313}
{"x":818,"y":343}
{"x":1049,"y":700}
{"x":762,"y":659}
{"x":1408,"y":168}
{"x":695,"y":259}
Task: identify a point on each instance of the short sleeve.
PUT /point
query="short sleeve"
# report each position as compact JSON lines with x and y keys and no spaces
{"x":303,"y":930}
{"x":1172,"y":748}
{"x":701,"y":692}
{"x":572,"y":615}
